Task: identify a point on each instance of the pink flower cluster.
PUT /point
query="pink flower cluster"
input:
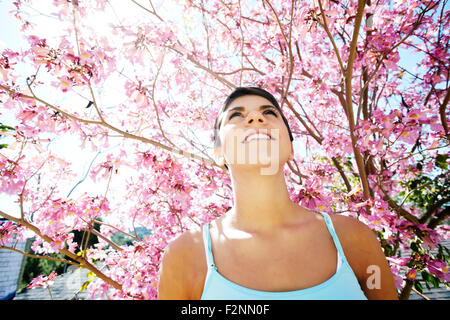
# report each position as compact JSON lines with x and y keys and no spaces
{"x":139,"y":60}
{"x":42,"y":281}
{"x":11,"y":175}
{"x":57,"y":218}
{"x":7,"y":234}
{"x":135,"y":267}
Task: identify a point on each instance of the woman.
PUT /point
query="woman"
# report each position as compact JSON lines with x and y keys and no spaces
{"x":266,"y":246}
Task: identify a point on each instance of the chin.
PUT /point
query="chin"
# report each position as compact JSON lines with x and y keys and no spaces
{"x":265,"y":166}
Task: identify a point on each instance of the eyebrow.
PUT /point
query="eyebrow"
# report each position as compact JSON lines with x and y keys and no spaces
{"x":261,"y":108}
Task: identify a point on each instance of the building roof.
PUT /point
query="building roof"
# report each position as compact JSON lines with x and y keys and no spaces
{"x":10,"y":263}
{"x":65,"y":287}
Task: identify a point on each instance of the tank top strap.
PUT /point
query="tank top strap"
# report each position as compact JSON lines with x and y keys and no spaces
{"x":207,"y":245}
{"x":333,"y":234}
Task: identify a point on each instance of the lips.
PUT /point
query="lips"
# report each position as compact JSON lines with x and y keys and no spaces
{"x":257,"y":132}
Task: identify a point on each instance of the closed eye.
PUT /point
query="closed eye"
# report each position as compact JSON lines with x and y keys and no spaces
{"x":270,"y":111}
{"x":265,"y":112}
{"x":234,"y":114}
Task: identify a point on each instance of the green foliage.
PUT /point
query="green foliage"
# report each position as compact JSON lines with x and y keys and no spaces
{"x":79,"y":237}
{"x":424,"y":191}
{"x":123,"y":240}
{"x":429,"y":193}
{"x":441,"y":161}
{"x":5,"y":128}
{"x":430,"y":279}
{"x":34,"y":267}
{"x":418,"y":286}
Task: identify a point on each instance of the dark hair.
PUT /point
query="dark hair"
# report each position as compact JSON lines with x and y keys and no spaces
{"x":245,"y":91}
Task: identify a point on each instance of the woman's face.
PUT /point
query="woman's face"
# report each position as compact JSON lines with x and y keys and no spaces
{"x":253,"y":135}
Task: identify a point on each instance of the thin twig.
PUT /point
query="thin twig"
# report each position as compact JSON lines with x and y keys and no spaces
{"x":420,"y":294}
{"x":150,"y":11}
{"x":155,"y":105}
{"x":336,"y":50}
{"x":39,"y":257}
{"x":124,"y":134}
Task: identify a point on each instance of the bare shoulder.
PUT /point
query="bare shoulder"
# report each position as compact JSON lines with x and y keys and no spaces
{"x":180,"y":266}
{"x":358,"y":241}
{"x":366,"y":257}
{"x":352,"y":231}
{"x":183,"y":244}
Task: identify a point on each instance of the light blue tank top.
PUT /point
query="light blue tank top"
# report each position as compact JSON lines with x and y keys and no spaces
{"x":343,"y":285}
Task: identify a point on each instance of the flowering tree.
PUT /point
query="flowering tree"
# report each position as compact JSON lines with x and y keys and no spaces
{"x":151,"y":77}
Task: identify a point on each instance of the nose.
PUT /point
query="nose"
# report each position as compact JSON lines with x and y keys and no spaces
{"x":255,"y":116}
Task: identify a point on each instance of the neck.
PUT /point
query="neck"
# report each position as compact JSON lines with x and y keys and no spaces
{"x":261,"y":202}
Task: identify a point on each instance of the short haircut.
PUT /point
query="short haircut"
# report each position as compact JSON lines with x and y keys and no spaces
{"x":246,"y":91}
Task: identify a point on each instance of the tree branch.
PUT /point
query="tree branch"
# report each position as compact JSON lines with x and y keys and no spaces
{"x":406,"y":291}
{"x":33,"y":97}
{"x":81,"y":261}
{"x":402,"y":212}
{"x":296,"y":171}
{"x":299,"y":117}
{"x":110,"y":242}
{"x":289,"y":44}
{"x":380,"y":61}
{"x":444,"y":214}
{"x":148,"y":10}
{"x":39,"y":257}
{"x":348,"y":97}
{"x":107,"y":125}
{"x":155,"y":105}
{"x":442,"y":107}
{"x":336,"y":50}
{"x":436,"y":206}
{"x":199,"y":65}
{"x":342,"y":173}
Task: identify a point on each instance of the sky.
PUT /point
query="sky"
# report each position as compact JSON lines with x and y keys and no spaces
{"x":81,"y":159}
{"x":66,"y":145}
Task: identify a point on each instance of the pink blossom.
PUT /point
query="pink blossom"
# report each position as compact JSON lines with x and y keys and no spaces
{"x":412,"y":274}
{"x":153,"y":77}
{"x":440,"y":269}
{"x":42,"y":281}
{"x":6,"y":232}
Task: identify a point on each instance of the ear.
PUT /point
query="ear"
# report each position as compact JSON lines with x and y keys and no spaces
{"x":291,"y":156}
{"x":218,"y":156}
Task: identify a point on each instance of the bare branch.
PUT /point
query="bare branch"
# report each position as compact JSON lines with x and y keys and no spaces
{"x":299,"y":117}
{"x":153,"y":12}
{"x":342,"y":173}
{"x":400,"y":210}
{"x":199,"y":65}
{"x":442,"y":107}
{"x":288,"y":43}
{"x":297,"y":171}
{"x":348,"y":97}
{"x":81,"y":261}
{"x":124,"y":134}
{"x":39,"y":257}
{"x":441,"y":216}
{"x":155,"y":106}
{"x":110,"y":242}
{"x":336,"y":50}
